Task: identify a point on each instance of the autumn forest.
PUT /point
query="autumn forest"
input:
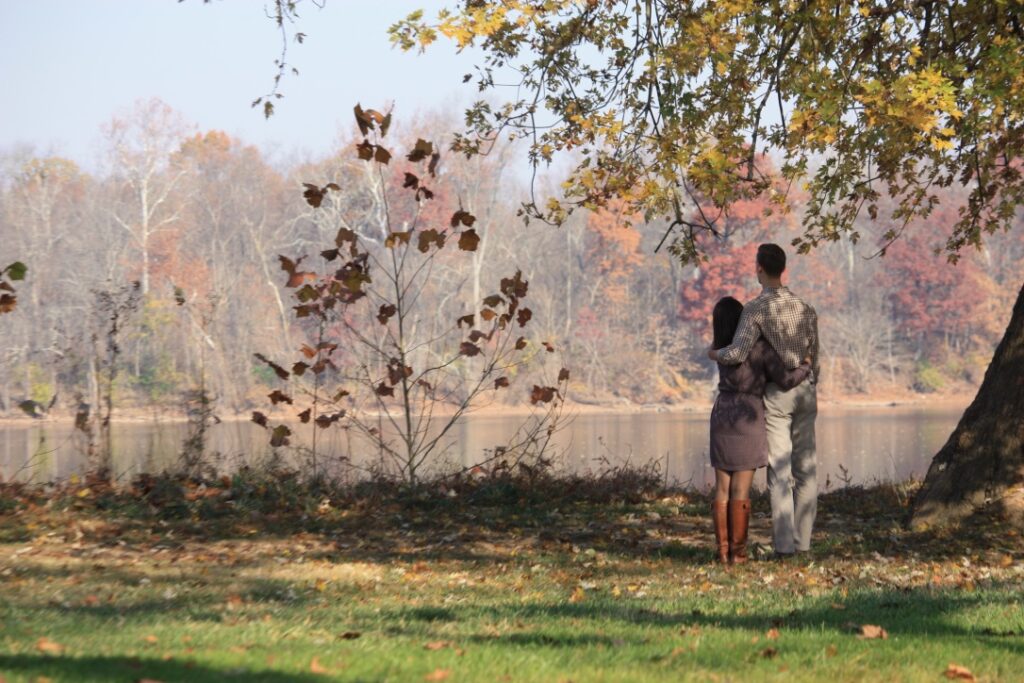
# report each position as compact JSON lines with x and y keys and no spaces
{"x":204,"y":217}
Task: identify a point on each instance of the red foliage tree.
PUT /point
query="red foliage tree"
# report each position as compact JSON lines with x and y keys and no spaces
{"x":933,"y":302}
{"x":729,"y":271}
{"x":613,"y":252}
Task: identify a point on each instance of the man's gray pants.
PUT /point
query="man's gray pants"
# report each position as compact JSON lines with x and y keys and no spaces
{"x":792,"y":464}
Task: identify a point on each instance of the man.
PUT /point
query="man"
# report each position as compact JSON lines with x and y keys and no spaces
{"x":791,"y":327}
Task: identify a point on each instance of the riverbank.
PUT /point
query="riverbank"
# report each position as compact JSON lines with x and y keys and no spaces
{"x":516,"y":580}
{"x":826,"y":404}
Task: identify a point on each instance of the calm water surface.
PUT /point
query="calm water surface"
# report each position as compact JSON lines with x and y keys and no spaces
{"x":859,"y":445}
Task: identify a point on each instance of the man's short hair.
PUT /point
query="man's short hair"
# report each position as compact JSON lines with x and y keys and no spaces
{"x":772,"y":259}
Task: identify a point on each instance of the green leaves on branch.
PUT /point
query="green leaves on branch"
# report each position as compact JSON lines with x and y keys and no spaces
{"x":15,"y":272}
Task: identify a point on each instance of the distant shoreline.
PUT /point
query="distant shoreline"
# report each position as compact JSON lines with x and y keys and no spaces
{"x":825,"y":406}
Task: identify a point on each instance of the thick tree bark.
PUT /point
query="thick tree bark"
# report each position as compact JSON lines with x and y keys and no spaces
{"x":983,"y":462}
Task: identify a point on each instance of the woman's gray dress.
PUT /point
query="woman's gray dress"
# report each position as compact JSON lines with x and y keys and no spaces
{"x":739,"y":440}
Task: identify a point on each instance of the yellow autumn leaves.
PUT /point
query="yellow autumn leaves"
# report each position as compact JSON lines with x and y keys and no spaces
{"x":920,"y":102}
{"x":480,"y":22}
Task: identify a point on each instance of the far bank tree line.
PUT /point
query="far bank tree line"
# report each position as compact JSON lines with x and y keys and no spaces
{"x":204,"y":217}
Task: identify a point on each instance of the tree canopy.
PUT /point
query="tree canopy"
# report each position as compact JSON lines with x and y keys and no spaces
{"x":677,"y":107}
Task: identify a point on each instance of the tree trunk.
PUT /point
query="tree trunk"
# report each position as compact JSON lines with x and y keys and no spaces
{"x":983,"y":461}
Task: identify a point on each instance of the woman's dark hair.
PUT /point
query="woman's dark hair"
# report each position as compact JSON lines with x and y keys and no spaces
{"x":724,"y":321}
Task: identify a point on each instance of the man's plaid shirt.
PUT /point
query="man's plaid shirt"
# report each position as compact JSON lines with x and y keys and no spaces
{"x":786,"y":322}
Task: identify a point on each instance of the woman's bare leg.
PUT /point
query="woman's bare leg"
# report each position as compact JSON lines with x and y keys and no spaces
{"x":720,"y":515}
{"x":723,"y":485}
{"x":739,"y":484}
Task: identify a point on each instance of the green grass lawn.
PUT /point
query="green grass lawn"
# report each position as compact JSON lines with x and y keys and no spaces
{"x":547,"y":591}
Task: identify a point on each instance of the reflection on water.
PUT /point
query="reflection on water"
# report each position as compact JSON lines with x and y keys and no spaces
{"x":890,"y":444}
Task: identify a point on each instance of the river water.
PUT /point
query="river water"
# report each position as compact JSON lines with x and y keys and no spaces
{"x":855,"y":445}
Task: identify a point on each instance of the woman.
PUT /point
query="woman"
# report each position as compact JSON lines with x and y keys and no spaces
{"x":739,"y":440}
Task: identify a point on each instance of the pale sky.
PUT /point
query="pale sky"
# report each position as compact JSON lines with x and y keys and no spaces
{"x":68,"y":66}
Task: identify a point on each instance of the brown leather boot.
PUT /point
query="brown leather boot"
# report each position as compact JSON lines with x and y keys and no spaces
{"x":739,"y":521}
{"x":720,"y":515}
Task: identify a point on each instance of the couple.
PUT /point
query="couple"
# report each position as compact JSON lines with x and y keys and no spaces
{"x":767,"y":357}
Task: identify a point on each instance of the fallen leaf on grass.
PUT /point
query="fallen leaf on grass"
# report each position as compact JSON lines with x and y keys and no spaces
{"x":44,"y":644}
{"x":316,"y":667}
{"x":350,"y":635}
{"x":676,"y":651}
{"x":831,"y":651}
{"x":437,"y":645}
{"x":438,"y":675}
{"x":151,"y":639}
{"x":773,"y":634}
{"x":955,"y":671}
{"x":578,"y":595}
{"x":870,"y":632}
{"x":769,"y":653}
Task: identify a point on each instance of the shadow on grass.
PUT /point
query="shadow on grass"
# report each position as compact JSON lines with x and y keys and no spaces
{"x":547,"y":640}
{"x":483,"y":521}
{"x":105,"y":669}
{"x":243,"y":597}
{"x":914,"y":613}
